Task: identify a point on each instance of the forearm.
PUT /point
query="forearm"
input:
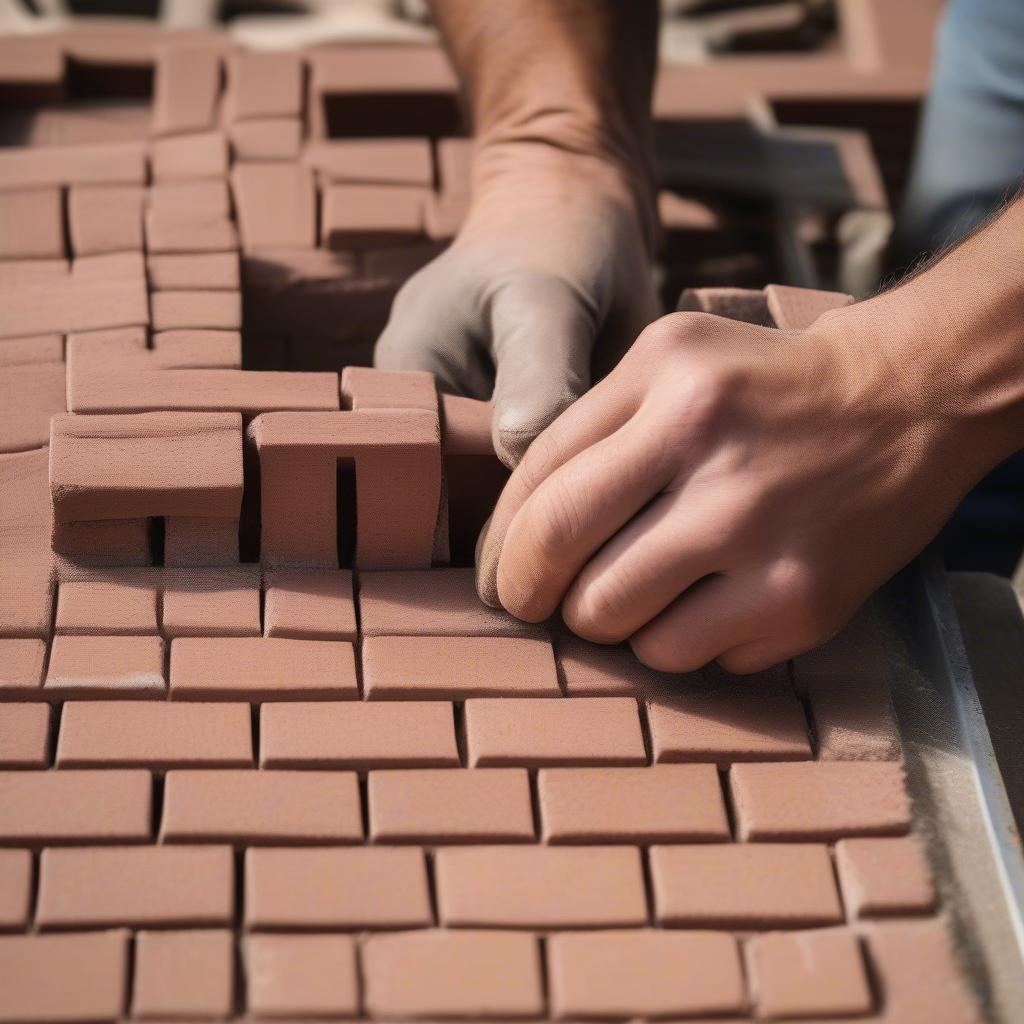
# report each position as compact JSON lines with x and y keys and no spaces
{"x":575,"y":75}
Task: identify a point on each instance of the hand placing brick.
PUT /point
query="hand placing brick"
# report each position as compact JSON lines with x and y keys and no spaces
{"x":745,"y":885}
{"x":309,"y":605}
{"x":358,"y":887}
{"x":644,"y":973}
{"x":410,"y":667}
{"x":302,"y":976}
{"x":456,"y":805}
{"x":15,"y":889}
{"x":406,"y":734}
{"x":246,"y":807}
{"x":39,"y":807}
{"x":261,"y":668}
{"x":105,"y":666}
{"x":819,"y":800}
{"x":109,"y":607}
{"x":627,"y":805}
{"x":447,"y":974}
{"x":142,"y":886}
{"x":809,"y":974}
{"x":540,"y":887}
{"x":64,"y":977}
{"x":24,"y":735}
{"x":884,"y":876}
{"x":535,"y":731}
{"x":154,"y":735}
{"x":184,"y":974}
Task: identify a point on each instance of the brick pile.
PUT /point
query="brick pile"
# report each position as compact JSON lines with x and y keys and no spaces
{"x":263,"y":753}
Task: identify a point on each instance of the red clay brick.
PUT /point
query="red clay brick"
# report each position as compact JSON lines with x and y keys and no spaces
{"x":918,"y":975}
{"x":360,"y":216}
{"x":31,"y":224}
{"x":596,"y":670}
{"x":210,"y":310}
{"x":809,"y":974}
{"x":24,"y":735}
{"x":855,"y":725}
{"x":340,"y":888}
{"x":744,"y":885}
{"x":535,"y":731}
{"x":397,"y":457}
{"x":112,"y":607}
{"x":202,"y":541}
{"x":54,"y":978}
{"x":39,"y":348}
{"x":82,"y":806}
{"x":184,"y":974}
{"x":262,"y":668}
{"x":644,"y":973}
{"x":106,"y":666}
{"x":187,"y":157}
{"x":156,"y":735}
{"x":884,"y":876}
{"x":108,"y":542}
{"x":302,"y":976}
{"x":309,"y":605}
{"x":186,"y":89}
{"x":442,"y":974}
{"x":657,"y":804}
{"x":15,"y":889}
{"x":191,"y":202}
{"x":264,"y":85}
{"x":276,"y":204}
{"x":105,"y":218}
{"x":270,"y":138}
{"x":243,"y":806}
{"x":819,"y":800}
{"x":409,"y":734}
{"x":185,"y":464}
{"x":140,"y":886}
{"x":21,"y":667}
{"x":214,"y":271}
{"x":199,"y":349}
{"x":212,"y":604}
{"x":30,"y":394}
{"x":740,"y":722}
{"x":363,"y":387}
{"x":540,"y":887}
{"x":441,"y":602}
{"x":407,"y":667}
{"x":454,"y":805}
{"x":466,"y":426}
{"x":195,"y":233}
{"x":794,"y":309}
{"x":372,"y":161}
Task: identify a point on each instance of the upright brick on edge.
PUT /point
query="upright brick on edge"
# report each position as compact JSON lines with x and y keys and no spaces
{"x":397,"y":456}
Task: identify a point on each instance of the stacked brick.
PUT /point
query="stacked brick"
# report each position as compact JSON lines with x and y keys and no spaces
{"x":263,"y":753}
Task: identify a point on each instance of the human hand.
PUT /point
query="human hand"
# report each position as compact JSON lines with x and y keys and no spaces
{"x":551,"y":264}
{"x":731,"y":492}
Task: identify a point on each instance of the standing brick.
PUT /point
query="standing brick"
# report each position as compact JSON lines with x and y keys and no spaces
{"x":186,"y":974}
{"x":531,"y":732}
{"x":242,"y":806}
{"x":657,"y":804}
{"x":819,"y":800}
{"x":644,"y":973}
{"x":744,"y":885}
{"x":809,"y":974}
{"x":884,"y":876}
{"x":540,"y":887}
{"x":50,"y":978}
{"x":81,"y":806}
{"x":444,"y":974}
{"x":340,"y":888}
{"x":302,"y":975}
{"x":139,"y":886}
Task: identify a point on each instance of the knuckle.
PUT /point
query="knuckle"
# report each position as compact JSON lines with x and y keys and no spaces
{"x":659,"y":654}
{"x":597,"y":612}
{"x":806,"y":605}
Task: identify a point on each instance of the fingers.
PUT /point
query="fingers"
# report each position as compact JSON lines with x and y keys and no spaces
{"x":596,"y":415}
{"x":715,"y":615}
{"x":573,"y":512}
{"x":542,"y":337}
{"x":645,"y":567}
{"x":431,"y":329}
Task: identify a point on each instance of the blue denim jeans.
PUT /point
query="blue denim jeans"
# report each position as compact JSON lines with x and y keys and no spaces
{"x":969,"y":159}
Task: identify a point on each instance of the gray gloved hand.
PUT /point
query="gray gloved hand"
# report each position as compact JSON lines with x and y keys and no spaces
{"x":551,"y":268}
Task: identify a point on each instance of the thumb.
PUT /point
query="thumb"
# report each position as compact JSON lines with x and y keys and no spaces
{"x":542,"y":334}
{"x":429,"y":328}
